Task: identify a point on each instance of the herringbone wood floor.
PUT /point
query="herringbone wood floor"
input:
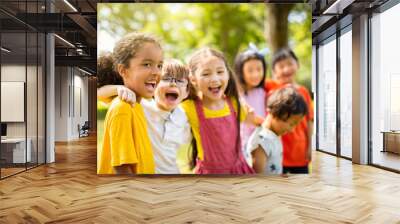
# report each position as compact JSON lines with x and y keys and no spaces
{"x":70,"y":192}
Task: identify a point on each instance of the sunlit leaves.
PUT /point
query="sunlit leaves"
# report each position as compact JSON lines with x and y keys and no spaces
{"x":226,"y":26}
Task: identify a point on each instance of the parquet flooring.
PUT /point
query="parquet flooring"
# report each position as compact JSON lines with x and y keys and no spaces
{"x":387,"y":159}
{"x":69,"y":191}
{"x":10,"y":171}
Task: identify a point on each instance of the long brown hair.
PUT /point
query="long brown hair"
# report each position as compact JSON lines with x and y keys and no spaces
{"x":231,"y":90}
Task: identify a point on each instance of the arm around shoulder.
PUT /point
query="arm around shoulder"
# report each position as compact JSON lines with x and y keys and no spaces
{"x":107,"y":92}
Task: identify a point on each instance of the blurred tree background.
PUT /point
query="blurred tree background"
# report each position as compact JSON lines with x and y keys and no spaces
{"x":228,"y":27}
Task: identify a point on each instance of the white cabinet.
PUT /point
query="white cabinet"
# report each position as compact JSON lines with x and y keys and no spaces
{"x":15,"y":148}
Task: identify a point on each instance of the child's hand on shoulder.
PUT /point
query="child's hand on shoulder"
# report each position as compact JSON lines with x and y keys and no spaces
{"x":252,"y":117}
{"x":126,"y":95}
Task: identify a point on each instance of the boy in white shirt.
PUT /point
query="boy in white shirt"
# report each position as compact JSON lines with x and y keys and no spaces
{"x":286,"y":108}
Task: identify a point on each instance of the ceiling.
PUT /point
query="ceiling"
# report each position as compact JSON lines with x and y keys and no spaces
{"x":75,"y":21}
{"x":327,"y":13}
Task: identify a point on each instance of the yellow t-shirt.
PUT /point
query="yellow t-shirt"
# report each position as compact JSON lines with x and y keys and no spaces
{"x":190,"y":110}
{"x":125,"y":140}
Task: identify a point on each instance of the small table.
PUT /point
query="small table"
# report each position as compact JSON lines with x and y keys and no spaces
{"x":16,"y":154}
{"x":391,"y":141}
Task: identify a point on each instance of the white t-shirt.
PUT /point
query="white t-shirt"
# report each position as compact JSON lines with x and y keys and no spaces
{"x":168,"y":131}
{"x":272,"y":146}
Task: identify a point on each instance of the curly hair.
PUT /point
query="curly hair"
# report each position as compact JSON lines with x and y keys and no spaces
{"x":128,"y":46}
{"x":106,"y":75}
{"x":286,"y":102}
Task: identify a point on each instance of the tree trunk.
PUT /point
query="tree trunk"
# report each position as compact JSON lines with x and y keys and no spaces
{"x":276,"y":24}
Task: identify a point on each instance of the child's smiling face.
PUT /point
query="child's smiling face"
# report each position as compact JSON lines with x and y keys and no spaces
{"x":211,"y":78}
{"x":143,"y":73}
{"x":253,"y":73}
{"x":171,"y":91}
{"x":285,"y":70}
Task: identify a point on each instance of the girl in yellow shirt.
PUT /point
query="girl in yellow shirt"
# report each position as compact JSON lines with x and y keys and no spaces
{"x":167,"y":124}
{"x":126,"y":146}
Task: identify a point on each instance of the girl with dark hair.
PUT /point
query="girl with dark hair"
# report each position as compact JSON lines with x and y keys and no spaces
{"x":167,"y":125}
{"x":250,"y":69}
{"x":126,"y":147}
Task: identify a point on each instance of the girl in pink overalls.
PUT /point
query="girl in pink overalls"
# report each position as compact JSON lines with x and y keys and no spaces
{"x":212,"y":111}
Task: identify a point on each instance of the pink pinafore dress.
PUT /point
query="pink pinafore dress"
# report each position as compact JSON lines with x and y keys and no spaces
{"x":222,"y":151}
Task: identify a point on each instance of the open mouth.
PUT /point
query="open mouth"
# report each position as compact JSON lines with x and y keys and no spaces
{"x":171,"y":96}
{"x":150,"y":85}
{"x":214,"y":90}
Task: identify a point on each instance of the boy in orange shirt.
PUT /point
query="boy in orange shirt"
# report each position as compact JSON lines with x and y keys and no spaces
{"x":297,"y":143}
{"x":126,"y":146}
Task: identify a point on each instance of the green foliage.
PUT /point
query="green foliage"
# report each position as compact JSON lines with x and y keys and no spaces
{"x":101,"y":114}
{"x":101,"y":110}
{"x":300,"y":33}
{"x":228,"y":27}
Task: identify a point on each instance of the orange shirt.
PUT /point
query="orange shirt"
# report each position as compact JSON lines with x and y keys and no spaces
{"x":295,"y":143}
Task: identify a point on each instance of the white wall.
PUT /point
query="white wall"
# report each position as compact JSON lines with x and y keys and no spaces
{"x":13,"y":73}
{"x":33,"y":126}
{"x":70,"y":83}
{"x":80,"y":100}
{"x":61,"y":103}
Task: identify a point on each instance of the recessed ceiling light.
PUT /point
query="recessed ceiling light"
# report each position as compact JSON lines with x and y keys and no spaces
{"x":64,"y":40}
{"x":5,"y":49}
{"x":338,"y":6}
{"x":86,"y":72}
{"x":70,"y":5}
